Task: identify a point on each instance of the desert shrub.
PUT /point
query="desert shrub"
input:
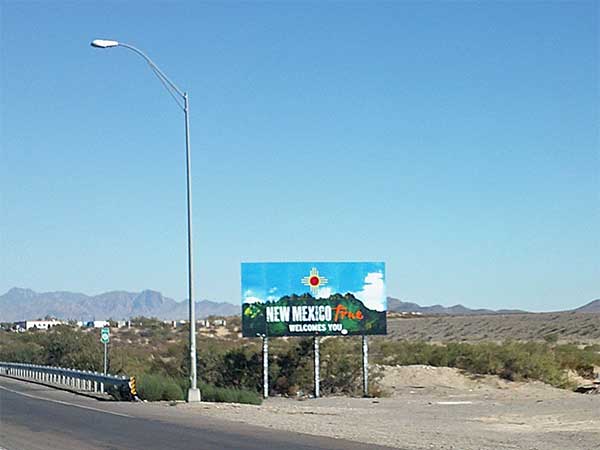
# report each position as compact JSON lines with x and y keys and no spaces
{"x":172,"y":391}
{"x":531,"y":361}
{"x":212,"y":393}
{"x":551,"y":338}
{"x":341,"y":366}
{"x":61,"y":346}
{"x":14,"y":350}
{"x":149,"y":387}
{"x":242,"y":369}
{"x":510,"y":360}
{"x":158,"y":387}
{"x":68,"y":347}
{"x":295,"y":363}
{"x":581,"y":361}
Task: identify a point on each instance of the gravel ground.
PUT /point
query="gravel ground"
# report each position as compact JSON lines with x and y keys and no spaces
{"x":435,"y":408}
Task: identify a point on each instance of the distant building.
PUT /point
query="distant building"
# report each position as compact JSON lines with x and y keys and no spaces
{"x":37,"y":324}
{"x":96,"y":324}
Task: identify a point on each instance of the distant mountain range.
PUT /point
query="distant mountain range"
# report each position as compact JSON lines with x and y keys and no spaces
{"x":25,"y":304}
{"x":459,"y":310}
{"x":591,"y":307}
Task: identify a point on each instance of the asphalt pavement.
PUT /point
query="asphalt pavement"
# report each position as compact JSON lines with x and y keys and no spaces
{"x":35,"y":417}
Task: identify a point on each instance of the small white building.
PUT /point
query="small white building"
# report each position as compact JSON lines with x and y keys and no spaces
{"x":38,"y":324}
{"x":96,"y":324}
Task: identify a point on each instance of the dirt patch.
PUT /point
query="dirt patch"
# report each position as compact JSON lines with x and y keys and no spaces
{"x":436,"y":408}
{"x":397,"y":380}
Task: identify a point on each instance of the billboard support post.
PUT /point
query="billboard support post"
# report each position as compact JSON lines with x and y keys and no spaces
{"x":317,"y":364}
{"x":365,"y":365}
{"x":265,"y":366}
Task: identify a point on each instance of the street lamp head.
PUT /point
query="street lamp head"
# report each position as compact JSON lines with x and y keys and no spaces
{"x":103,"y":43}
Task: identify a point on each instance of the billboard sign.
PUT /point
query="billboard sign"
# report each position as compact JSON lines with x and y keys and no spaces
{"x":313,"y":299}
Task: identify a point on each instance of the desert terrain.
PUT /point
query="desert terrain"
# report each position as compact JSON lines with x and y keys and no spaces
{"x":564,"y":326}
{"x":433,"y":408}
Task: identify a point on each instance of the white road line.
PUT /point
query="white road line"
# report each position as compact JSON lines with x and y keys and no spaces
{"x":64,"y":403}
{"x":455,"y":403}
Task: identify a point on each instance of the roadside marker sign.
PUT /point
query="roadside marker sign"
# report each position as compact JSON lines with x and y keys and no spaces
{"x":105,"y":335}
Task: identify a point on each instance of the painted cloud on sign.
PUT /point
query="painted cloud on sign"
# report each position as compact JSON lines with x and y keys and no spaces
{"x":373,"y":292}
{"x":325,"y":292}
{"x":250,"y":297}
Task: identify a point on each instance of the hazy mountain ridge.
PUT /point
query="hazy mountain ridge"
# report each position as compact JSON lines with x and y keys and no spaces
{"x":396,"y":305}
{"x":25,"y":304}
{"x":591,"y":307}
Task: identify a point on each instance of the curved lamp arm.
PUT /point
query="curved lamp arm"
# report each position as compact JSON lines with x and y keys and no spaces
{"x":169,"y":85}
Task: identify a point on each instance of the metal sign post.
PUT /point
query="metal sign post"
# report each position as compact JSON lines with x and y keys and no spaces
{"x":365,"y":365}
{"x":265,"y":366}
{"x":105,"y":357}
{"x":317,"y":378}
{"x":104,"y":338}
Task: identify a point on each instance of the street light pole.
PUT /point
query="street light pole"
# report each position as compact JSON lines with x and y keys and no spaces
{"x":193,"y":394}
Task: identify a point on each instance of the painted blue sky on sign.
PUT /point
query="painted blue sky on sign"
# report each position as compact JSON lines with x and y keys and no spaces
{"x":263,"y":282}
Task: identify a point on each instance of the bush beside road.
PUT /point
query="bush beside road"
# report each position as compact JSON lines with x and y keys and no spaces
{"x":230,"y":368}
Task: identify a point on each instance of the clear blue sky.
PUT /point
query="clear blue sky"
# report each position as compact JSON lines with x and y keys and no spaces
{"x":456,"y":141}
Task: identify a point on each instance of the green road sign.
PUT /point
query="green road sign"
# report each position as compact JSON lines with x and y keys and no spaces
{"x":105,"y":335}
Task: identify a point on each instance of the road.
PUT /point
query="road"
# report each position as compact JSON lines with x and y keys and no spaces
{"x":36,"y":417}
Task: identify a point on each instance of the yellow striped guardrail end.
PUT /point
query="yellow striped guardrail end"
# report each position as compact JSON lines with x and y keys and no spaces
{"x":132,"y":387}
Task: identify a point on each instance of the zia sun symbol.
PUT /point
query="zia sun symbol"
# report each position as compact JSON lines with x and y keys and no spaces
{"x":314,"y":281}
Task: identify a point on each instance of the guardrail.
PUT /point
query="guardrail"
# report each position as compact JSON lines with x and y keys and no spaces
{"x":80,"y":380}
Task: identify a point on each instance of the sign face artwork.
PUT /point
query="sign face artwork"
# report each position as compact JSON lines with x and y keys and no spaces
{"x":104,"y":335}
{"x":313,"y":299}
